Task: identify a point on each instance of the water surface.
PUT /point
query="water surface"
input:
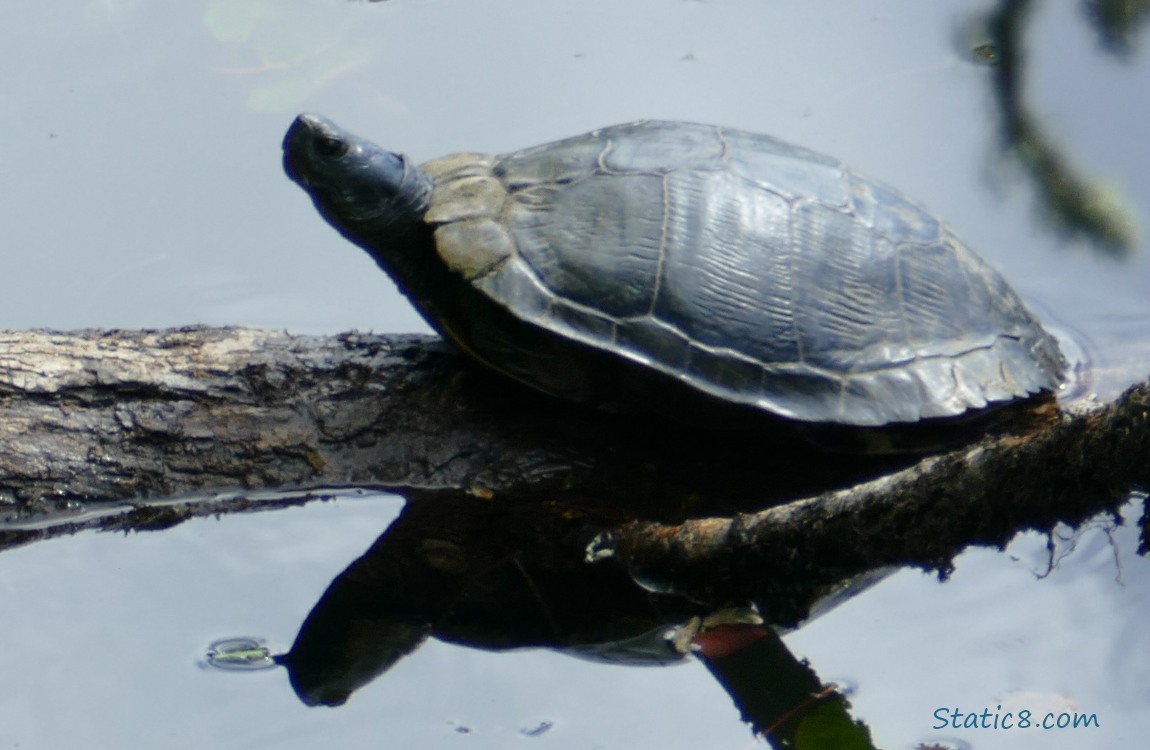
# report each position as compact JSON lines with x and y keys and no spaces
{"x":142,"y":188}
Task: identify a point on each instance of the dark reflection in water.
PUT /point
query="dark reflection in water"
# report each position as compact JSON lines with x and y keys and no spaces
{"x":1075,"y":202}
{"x":439,"y":573}
{"x":477,"y":573}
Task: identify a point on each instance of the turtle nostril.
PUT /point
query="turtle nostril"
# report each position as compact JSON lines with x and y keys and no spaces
{"x":330,"y":147}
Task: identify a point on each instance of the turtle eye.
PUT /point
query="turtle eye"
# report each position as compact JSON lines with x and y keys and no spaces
{"x":329,"y":147}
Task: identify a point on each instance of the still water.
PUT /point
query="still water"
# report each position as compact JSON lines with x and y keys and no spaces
{"x":140,"y":186}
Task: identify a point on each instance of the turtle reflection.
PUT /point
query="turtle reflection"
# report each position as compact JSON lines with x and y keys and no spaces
{"x":502,"y":575}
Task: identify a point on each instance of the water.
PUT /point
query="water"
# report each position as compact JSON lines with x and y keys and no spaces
{"x":141,"y":187}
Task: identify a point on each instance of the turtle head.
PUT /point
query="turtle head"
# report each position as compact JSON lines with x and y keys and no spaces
{"x":372,"y":196}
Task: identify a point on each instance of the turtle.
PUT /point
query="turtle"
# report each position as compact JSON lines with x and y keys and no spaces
{"x":656,"y":262}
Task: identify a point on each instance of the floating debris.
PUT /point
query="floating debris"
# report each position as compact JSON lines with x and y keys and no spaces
{"x":536,"y":730}
{"x":239,"y":654}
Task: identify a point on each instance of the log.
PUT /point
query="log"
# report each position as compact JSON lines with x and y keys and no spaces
{"x":106,"y":415}
{"x":97,"y":420}
{"x":99,"y":417}
{"x":95,"y":423}
{"x":921,"y":516}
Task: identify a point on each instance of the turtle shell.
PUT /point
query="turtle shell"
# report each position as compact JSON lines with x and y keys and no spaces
{"x":749,"y":269}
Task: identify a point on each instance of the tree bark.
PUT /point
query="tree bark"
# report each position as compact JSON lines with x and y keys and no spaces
{"x":97,"y":416}
{"x":108,"y":420}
